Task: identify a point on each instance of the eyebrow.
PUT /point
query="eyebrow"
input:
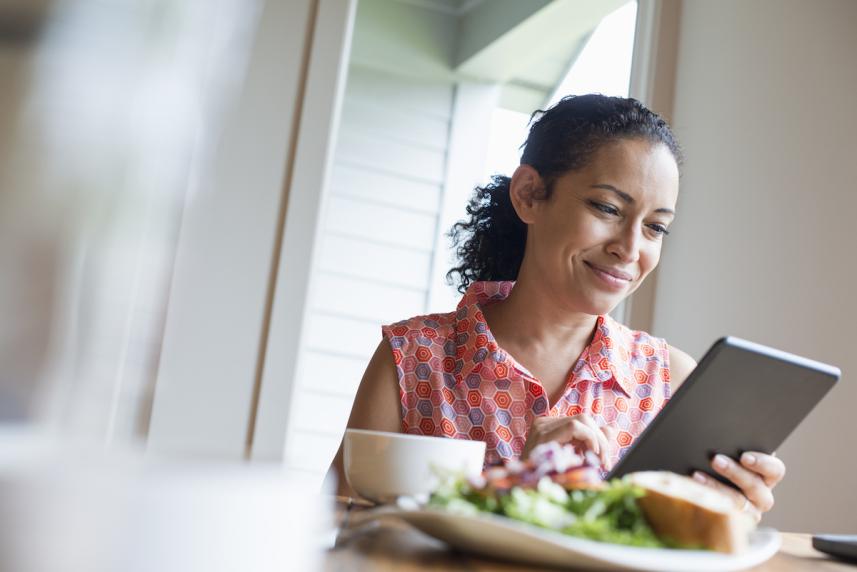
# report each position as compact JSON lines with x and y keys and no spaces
{"x":628,"y":198}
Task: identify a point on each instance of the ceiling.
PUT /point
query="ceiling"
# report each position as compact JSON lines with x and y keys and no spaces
{"x":527,"y":46}
{"x":455,"y":7}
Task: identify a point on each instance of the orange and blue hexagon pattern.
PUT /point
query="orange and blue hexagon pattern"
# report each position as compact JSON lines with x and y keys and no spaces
{"x":455,"y":381}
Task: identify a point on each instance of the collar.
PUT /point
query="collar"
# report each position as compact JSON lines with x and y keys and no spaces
{"x":607,"y":355}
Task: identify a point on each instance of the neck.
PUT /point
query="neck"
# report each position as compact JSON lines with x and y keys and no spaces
{"x":531,"y":318}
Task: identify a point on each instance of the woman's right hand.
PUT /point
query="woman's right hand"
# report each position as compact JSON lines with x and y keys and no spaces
{"x":581,"y":431}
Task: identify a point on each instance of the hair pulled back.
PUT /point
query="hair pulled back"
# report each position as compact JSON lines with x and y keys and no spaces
{"x":490,"y":244}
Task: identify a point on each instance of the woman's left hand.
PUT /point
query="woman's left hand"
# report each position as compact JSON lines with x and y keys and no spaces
{"x":756,"y":475}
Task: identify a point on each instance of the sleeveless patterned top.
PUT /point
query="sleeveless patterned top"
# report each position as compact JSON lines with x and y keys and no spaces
{"x":455,"y":381}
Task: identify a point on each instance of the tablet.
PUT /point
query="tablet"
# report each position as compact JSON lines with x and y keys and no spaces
{"x":842,"y":546}
{"x":741,"y":397}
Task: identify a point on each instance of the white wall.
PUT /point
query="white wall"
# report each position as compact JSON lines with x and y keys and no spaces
{"x":375,"y":257}
{"x":764,"y":244}
{"x":219,"y":299}
{"x":92,"y":182}
{"x":375,"y":249}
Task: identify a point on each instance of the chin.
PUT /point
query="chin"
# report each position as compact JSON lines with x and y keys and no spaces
{"x":598,"y":306}
{"x":589,"y":299}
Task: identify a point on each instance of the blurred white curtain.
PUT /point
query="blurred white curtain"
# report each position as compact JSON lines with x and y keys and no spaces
{"x":108,"y":114}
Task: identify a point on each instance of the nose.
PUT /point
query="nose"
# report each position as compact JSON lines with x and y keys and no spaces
{"x":626,"y":244}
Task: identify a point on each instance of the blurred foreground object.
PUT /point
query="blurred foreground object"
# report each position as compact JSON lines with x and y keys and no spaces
{"x":74,"y":510}
{"x":109,"y":112}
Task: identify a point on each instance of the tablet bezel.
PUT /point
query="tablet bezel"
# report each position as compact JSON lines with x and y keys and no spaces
{"x":757,"y":354}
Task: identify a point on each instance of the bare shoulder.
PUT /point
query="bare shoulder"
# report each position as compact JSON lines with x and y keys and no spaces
{"x":681,"y":364}
{"x":376,"y":405}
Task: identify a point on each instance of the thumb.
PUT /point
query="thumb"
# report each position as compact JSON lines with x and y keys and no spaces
{"x":610,"y":431}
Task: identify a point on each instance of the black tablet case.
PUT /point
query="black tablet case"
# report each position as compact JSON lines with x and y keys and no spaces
{"x":741,"y":397}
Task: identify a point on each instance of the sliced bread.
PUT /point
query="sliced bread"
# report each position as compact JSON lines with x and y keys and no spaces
{"x":690,"y":513}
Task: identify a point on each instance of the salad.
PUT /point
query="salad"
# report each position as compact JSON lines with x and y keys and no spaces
{"x":556,"y":489}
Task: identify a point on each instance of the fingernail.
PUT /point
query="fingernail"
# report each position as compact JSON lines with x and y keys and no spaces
{"x":699,"y":477}
{"x":748,"y":459}
{"x":720,"y":461}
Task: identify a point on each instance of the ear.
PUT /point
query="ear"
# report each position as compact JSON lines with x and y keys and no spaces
{"x":525,"y":192}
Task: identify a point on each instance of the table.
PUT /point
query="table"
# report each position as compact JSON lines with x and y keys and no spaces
{"x":397,"y":547}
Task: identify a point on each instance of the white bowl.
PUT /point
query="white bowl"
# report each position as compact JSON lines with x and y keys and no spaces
{"x":381,"y":466}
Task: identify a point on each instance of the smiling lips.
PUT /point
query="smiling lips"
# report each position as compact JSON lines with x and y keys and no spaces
{"x":612,"y":278}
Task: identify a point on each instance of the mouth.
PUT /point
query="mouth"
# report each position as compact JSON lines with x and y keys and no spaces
{"x":613,"y":278}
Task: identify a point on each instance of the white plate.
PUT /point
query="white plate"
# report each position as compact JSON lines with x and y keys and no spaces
{"x":504,"y":538}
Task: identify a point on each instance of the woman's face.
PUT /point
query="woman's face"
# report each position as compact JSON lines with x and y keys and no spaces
{"x":601,"y":231}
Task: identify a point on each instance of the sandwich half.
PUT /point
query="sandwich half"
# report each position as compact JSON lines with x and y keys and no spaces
{"x":691,"y":514}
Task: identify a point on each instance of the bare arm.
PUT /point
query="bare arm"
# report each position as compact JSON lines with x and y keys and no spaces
{"x":681,"y":365}
{"x":377,"y":406}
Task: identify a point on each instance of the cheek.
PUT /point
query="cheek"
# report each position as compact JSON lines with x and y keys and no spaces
{"x":649,"y":257}
{"x":587,"y":232}
{"x":563,"y":241}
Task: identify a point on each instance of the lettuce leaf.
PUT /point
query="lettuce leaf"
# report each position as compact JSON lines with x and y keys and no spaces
{"x":610,"y":514}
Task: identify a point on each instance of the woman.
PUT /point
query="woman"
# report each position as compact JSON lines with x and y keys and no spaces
{"x":531,"y":354}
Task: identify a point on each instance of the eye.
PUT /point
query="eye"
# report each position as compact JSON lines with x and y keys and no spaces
{"x":604,"y":207}
{"x":659,"y":229}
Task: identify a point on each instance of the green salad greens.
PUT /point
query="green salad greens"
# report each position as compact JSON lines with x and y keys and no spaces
{"x":609,"y":514}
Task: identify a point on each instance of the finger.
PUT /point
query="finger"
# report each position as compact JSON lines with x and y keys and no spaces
{"x":540,"y":431}
{"x":612,"y":434}
{"x":770,"y":468}
{"x":750,"y":483}
{"x":611,"y":431}
{"x":559,"y":429}
{"x":575,"y":431}
{"x":741,"y":502}
{"x":542,"y":427}
{"x":603,"y":443}
{"x":739,"y":499}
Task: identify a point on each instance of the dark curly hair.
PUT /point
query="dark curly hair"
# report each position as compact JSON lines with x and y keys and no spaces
{"x":490,"y":245}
